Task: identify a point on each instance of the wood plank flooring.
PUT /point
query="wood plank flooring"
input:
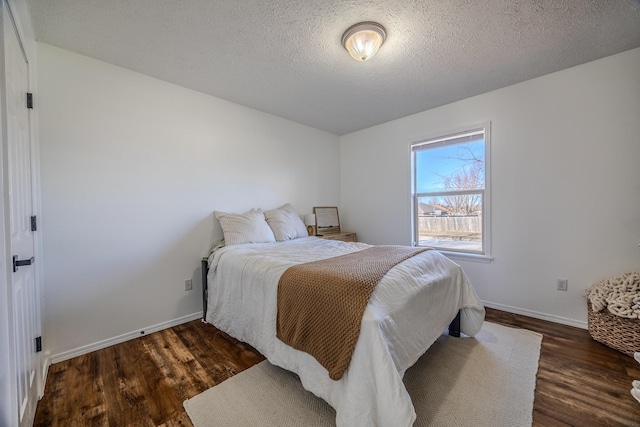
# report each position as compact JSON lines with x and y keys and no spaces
{"x":580,"y":382}
{"x":143,"y":382}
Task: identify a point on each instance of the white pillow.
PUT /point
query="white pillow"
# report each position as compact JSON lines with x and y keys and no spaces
{"x":249,"y":227}
{"x":286,"y":223}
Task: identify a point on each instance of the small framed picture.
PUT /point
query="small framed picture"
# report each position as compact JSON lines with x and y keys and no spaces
{"x":327,"y":220}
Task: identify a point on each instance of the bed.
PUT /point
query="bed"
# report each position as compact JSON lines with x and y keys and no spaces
{"x":409,"y":309}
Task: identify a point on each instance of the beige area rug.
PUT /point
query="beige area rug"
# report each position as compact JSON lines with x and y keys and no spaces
{"x":486,"y":381}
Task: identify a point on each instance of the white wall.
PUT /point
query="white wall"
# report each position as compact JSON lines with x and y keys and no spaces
{"x":566,"y":183}
{"x":132,"y":169}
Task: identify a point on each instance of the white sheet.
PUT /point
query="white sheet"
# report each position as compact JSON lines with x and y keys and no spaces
{"x":409,"y":309}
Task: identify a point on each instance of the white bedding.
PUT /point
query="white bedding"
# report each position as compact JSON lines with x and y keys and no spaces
{"x":409,"y":309}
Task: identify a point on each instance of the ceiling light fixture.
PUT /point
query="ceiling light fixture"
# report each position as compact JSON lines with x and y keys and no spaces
{"x":363,"y":40}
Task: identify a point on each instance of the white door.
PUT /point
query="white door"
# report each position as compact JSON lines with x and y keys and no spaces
{"x":25,"y":307}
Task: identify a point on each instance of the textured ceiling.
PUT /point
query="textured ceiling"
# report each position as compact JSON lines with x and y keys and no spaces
{"x":284,"y":57}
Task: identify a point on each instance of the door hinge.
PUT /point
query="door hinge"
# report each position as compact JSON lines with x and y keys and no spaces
{"x":34,"y":224}
{"x":29,"y":100}
{"x":38,"y":344}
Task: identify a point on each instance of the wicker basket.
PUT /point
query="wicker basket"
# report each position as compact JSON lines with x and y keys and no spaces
{"x":617,"y":332}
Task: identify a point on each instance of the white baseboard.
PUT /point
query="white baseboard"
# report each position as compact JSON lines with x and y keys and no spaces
{"x":65,"y":355}
{"x":537,"y":315}
{"x":164,"y":325}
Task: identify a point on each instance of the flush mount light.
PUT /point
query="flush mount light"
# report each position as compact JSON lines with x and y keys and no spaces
{"x":363,"y":40}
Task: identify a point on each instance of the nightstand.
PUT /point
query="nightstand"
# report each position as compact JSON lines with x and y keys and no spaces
{"x":343,"y":236}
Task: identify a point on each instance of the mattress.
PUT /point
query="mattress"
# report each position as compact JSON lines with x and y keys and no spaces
{"x":409,"y":309}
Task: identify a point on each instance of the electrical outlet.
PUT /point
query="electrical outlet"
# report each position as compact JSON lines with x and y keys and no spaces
{"x":188,"y":285}
{"x":563,"y":284}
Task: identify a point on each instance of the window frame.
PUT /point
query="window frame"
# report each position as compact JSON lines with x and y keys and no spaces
{"x":442,"y":139}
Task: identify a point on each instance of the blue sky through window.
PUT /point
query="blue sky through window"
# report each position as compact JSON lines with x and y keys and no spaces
{"x":434,"y":165}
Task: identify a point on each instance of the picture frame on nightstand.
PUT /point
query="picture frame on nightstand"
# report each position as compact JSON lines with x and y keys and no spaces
{"x":327,"y":220}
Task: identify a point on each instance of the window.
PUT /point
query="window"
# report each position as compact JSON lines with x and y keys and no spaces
{"x":450,"y":188}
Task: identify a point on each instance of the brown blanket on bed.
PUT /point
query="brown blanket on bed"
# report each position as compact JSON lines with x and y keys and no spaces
{"x":321,"y":303}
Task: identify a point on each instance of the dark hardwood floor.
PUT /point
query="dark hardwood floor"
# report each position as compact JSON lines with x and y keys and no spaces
{"x":580,"y":382}
{"x":143,"y":382}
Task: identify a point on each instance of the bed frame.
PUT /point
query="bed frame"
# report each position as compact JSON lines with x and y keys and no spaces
{"x":205,"y":287}
{"x":454,"y":326}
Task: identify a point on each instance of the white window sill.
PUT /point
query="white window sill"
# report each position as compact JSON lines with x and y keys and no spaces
{"x":460,"y":256}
